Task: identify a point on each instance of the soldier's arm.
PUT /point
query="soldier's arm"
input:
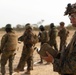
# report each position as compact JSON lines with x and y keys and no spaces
{"x":39,"y":36}
{"x":21,"y":38}
{"x":3,"y":41}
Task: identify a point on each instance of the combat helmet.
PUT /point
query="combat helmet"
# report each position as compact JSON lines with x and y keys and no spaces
{"x":62,"y":23}
{"x":27,"y":26}
{"x":41,"y":28}
{"x":8,"y":26}
{"x":71,"y":8}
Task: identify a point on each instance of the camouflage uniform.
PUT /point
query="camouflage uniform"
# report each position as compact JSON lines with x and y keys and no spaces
{"x":67,"y":62}
{"x":63,"y":34}
{"x":43,"y":38}
{"x":66,"y":65}
{"x":8,"y":47}
{"x":53,"y":35}
{"x":27,"y":52}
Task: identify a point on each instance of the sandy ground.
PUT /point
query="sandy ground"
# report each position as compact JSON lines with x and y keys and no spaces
{"x":39,"y":69}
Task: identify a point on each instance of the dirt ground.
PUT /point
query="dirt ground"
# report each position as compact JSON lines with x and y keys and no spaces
{"x":39,"y":69}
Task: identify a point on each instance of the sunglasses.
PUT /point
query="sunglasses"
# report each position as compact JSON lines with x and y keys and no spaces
{"x":72,"y":16}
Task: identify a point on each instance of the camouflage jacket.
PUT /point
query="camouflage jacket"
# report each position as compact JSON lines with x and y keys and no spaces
{"x":67,"y":63}
{"x":9,"y":41}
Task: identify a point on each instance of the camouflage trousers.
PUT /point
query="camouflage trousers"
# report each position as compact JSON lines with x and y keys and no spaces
{"x":7,"y":55}
{"x":26,"y":57}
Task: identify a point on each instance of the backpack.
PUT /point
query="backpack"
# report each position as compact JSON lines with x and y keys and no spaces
{"x":30,"y":38}
{"x":11,"y":43}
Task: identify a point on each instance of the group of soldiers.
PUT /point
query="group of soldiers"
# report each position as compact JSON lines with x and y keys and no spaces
{"x":50,"y":36}
{"x":10,"y":39}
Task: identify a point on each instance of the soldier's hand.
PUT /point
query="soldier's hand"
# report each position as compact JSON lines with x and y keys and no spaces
{"x":48,"y":58}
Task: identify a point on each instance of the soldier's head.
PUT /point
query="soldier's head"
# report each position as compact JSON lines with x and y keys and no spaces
{"x":62,"y":24}
{"x":52,"y":25}
{"x":8,"y":28}
{"x":28,"y":27}
{"x":28,"y":24}
{"x":41,"y":28}
{"x":71,"y":12}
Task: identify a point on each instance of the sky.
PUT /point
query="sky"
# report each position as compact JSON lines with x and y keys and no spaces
{"x":33,"y":12}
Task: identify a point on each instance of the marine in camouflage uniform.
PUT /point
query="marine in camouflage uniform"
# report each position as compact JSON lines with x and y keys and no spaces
{"x":27,"y":52}
{"x":8,"y":47}
{"x":66,"y":64}
{"x":53,"y":34}
{"x":63,"y":34}
{"x":43,"y":38}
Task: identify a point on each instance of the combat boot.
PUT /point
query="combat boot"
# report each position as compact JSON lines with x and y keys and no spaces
{"x":47,"y":63}
{"x":16,"y":70}
{"x":27,"y":72}
{"x":31,"y":68}
{"x":40,"y":62}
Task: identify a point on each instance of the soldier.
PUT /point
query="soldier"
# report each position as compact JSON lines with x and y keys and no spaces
{"x":43,"y":38}
{"x":53,"y":35}
{"x":63,"y":34}
{"x":66,"y":65}
{"x":8,"y":47}
{"x":27,"y":53}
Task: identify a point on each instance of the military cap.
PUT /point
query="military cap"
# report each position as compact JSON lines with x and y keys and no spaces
{"x":8,"y":26}
{"x":71,"y":8}
{"x":46,"y":47}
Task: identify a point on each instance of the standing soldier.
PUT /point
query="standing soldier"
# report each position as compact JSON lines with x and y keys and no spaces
{"x":53,"y":35}
{"x":43,"y":38}
{"x":8,"y":47}
{"x":63,"y":34}
{"x":27,"y":53}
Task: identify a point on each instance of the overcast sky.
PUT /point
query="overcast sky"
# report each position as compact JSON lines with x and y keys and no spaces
{"x":32,"y":11}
